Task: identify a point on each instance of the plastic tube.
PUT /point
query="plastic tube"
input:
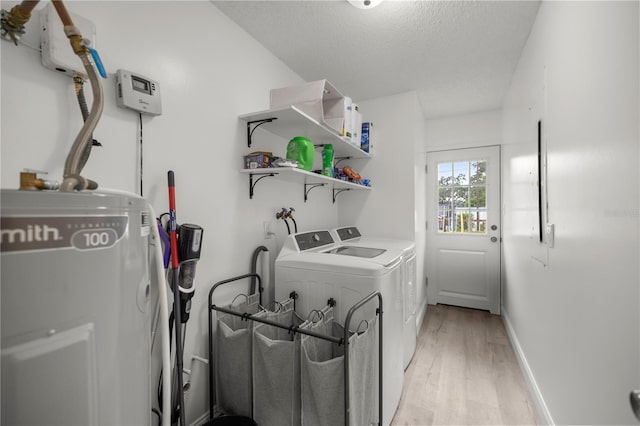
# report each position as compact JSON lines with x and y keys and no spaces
{"x":254,"y":267}
{"x":164,"y":323}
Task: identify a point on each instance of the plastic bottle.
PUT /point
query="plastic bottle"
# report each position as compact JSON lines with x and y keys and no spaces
{"x":301,"y":149}
{"x":327,"y":160}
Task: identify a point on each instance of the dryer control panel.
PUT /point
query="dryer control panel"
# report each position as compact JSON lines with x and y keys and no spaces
{"x":348,"y":233}
{"x":311,"y":240}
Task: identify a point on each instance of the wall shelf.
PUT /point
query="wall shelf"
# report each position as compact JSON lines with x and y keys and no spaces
{"x":308,"y":179}
{"x":289,"y":122}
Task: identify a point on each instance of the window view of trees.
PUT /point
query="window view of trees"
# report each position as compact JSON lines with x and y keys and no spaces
{"x":462,"y":197}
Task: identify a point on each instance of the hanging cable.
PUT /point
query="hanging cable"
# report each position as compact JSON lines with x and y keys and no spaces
{"x":290,"y":216}
{"x":141,"y":152}
{"x":283,"y":215}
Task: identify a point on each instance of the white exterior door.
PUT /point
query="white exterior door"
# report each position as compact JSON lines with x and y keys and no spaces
{"x":463,"y":228}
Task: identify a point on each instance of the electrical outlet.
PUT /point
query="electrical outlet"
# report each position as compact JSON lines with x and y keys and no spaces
{"x":266,"y":229}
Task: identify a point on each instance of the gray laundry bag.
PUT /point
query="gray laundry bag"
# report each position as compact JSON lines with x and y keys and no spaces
{"x":233,"y":358}
{"x":276,"y":369}
{"x":322,"y":375}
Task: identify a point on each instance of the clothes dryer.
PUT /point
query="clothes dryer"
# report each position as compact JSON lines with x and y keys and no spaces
{"x":351,"y":236}
{"x":317,"y":268}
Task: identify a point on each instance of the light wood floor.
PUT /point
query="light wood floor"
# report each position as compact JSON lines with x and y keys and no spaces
{"x":464,"y":372}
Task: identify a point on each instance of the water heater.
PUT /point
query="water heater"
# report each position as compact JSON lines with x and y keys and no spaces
{"x":75,"y":308}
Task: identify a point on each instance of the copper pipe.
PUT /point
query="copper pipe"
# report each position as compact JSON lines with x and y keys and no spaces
{"x":62,"y":13}
{"x":25,"y":8}
{"x":14,"y":21}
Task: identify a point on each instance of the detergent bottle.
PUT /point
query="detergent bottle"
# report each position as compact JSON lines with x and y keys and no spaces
{"x":327,"y":160}
{"x":301,"y":149}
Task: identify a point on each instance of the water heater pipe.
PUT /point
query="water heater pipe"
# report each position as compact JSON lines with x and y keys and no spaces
{"x":73,"y":166}
{"x":13,"y":25}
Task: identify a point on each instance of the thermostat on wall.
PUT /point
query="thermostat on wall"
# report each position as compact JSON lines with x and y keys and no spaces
{"x":138,"y":93}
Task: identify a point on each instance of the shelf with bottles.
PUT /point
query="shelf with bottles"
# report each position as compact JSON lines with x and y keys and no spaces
{"x":290,"y":121}
{"x":310,"y":180}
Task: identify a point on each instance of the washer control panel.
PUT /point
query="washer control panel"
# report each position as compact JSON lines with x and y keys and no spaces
{"x":311,"y":240}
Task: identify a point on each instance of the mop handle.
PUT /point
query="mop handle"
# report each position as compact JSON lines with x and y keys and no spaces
{"x":176,"y":293}
{"x":172,"y":220}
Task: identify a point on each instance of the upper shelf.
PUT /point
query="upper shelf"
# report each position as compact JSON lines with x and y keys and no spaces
{"x":290,"y":122}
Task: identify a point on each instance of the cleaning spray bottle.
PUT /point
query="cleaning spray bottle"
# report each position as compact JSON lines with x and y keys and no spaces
{"x":327,"y":160}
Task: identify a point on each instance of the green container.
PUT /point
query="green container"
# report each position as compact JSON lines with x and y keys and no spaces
{"x":301,"y":149}
{"x":327,"y":160}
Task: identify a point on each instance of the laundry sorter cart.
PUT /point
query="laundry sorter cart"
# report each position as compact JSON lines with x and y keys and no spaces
{"x":294,"y":329}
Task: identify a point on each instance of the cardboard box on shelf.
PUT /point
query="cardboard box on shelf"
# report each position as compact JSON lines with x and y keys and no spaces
{"x":318,"y":99}
{"x":257,"y":160}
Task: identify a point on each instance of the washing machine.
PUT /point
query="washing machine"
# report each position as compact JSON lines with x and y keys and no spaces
{"x":318,"y":268}
{"x":350,"y":235}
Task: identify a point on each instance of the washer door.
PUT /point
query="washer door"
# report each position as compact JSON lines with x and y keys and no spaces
{"x":365,"y":252}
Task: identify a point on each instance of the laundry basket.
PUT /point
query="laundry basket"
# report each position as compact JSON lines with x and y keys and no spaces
{"x":233,"y":358}
{"x":322,"y":375}
{"x":276,"y":369}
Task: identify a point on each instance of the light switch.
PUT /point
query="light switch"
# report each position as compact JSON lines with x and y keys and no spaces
{"x":550,"y":234}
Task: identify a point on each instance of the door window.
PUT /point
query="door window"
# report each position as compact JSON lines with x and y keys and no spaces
{"x":462,"y":197}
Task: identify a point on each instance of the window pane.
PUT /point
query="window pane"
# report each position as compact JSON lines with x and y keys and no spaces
{"x":478,"y":172}
{"x":478,"y":222}
{"x":462,"y":220}
{"x":461,"y":196}
{"x":445,"y":173}
{"x":445,"y":221}
{"x":478,"y":196}
{"x":461,"y":173}
{"x":444,"y":197}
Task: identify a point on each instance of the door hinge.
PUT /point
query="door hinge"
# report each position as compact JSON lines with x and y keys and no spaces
{"x":426,"y":224}
{"x":426,"y":281}
{"x":426,"y":168}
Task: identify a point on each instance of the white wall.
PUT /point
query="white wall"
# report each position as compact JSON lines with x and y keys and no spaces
{"x":210,"y":71}
{"x":483,"y":128}
{"x":389,"y":209}
{"x":574,"y":309}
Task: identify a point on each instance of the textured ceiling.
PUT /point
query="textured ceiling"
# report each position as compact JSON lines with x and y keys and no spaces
{"x":458,"y":56}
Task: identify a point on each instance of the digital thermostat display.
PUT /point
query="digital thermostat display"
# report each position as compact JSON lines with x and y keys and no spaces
{"x":138,"y":93}
{"x":140,"y":85}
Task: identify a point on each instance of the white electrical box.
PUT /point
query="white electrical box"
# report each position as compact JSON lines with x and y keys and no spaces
{"x":57,"y":53}
{"x":138,"y":93}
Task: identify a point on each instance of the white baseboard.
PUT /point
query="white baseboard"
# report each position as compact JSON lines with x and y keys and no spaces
{"x":420,"y":313}
{"x":541,"y":407}
{"x":201,"y":420}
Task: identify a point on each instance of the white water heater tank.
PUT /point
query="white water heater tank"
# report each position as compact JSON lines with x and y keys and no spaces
{"x":75,"y":308}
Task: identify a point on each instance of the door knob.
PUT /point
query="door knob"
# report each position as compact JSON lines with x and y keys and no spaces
{"x":634,"y":398}
{"x":494,"y":239}
{"x":494,"y":227}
